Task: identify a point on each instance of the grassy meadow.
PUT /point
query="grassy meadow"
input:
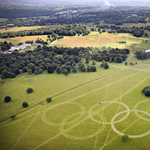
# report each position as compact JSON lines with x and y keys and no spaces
{"x":78,"y":118}
{"x":17,"y":40}
{"x":16,"y":29}
{"x":100,"y":40}
{"x":89,"y":111}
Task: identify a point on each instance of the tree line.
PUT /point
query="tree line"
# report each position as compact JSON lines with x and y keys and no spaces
{"x":136,"y":31}
{"x":64,"y":30}
{"x":58,"y":60}
{"x":113,"y":55}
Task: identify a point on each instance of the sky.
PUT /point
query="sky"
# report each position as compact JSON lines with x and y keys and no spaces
{"x":106,"y":2}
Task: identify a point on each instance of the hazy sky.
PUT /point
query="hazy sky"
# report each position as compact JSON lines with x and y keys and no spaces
{"x":117,"y":2}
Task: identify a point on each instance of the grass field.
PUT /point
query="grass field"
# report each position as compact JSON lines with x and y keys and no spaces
{"x":101,"y":107}
{"x":15,"y":29}
{"x":99,"y":40}
{"x":17,"y":40}
{"x":89,"y":111}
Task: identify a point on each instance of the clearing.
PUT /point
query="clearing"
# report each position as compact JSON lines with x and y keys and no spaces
{"x":16,"y":29}
{"x":17,"y":40}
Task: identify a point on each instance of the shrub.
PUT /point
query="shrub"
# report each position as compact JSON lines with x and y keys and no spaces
{"x":13,"y":116}
{"x":106,"y":66}
{"x":65,"y":72}
{"x":146,"y":91}
{"x":125,"y":138}
{"x":7,"y":99}
{"x":93,"y":63}
{"x":49,"y":99}
{"x":25,"y":104}
{"x":29,"y":90}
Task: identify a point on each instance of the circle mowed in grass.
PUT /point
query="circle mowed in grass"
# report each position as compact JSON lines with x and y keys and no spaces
{"x":57,"y":113}
{"x":84,"y":129}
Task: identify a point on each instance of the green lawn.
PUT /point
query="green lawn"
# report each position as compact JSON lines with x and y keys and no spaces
{"x":147,"y":61}
{"x":80,"y":118}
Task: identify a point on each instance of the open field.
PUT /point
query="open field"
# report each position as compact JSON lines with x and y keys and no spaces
{"x":17,"y":40}
{"x":88,"y":110}
{"x":99,"y":40}
{"x":15,"y":29}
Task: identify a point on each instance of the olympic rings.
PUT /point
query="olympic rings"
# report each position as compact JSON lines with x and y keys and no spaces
{"x":102,"y":120}
{"x":91,"y":116}
{"x":131,"y":136}
{"x":137,"y":114}
{"x":57,"y":124}
{"x":80,"y":138}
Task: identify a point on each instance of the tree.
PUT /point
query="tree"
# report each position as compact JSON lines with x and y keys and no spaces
{"x":87,"y":60}
{"x":25,"y":104}
{"x":48,"y":99}
{"x":93,"y":68}
{"x":30,"y":71}
{"x":74,"y":70}
{"x":93,"y":63}
{"x":12,"y":75}
{"x":29,"y":90}
{"x":125,"y":138}
{"x":88,"y":68}
{"x":7,"y":99}
{"x":68,"y":69}
{"x":103,"y":63}
{"x":65,"y":71}
{"x":106,"y":66}
{"x":5,"y":74}
{"x":58,"y":70}
{"x":146,"y":91}
{"x":50,"y":69}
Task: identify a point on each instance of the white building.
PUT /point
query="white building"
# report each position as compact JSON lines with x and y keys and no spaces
{"x":22,"y":47}
{"x":147,"y":50}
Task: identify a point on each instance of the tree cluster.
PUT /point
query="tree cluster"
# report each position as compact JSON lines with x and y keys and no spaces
{"x":5,"y":46}
{"x":61,"y":30}
{"x":113,"y":55}
{"x":136,"y":31}
{"x":53,"y":59}
{"x":142,"y":55}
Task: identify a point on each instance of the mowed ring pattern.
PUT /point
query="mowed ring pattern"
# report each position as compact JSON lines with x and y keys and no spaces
{"x":102,"y":120}
{"x":81,"y":137}
{"x":58,"y":124}
{"x":110,"y":102}
{"x":131,"y":136}
{"x":136,"y":112}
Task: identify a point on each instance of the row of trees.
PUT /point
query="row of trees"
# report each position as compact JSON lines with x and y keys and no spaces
{"x":61,"y":30}
{"x":136,"y":31}
{"x":113,"y":55}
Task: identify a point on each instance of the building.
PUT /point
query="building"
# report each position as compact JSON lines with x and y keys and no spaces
{"x":37,"y":44}
{"x":19,"y":47}
{"x":147,"y":50}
